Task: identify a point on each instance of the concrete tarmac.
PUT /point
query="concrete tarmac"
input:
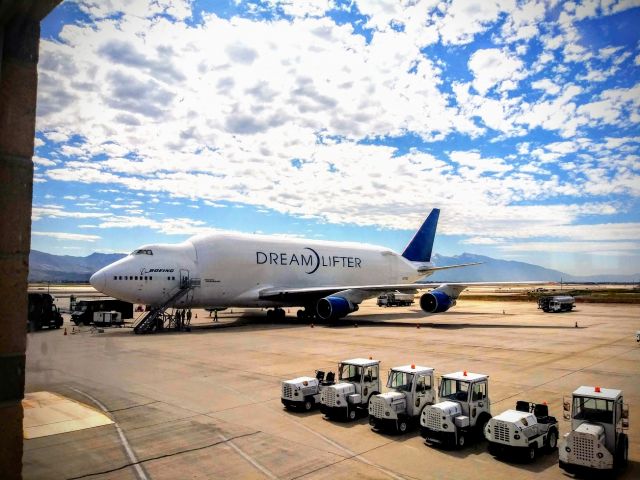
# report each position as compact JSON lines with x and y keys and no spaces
{"x":206,"y":404}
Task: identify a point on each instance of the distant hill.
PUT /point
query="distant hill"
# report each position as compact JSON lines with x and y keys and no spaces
{"x":494,"y":270}
{"x":45,"y":267}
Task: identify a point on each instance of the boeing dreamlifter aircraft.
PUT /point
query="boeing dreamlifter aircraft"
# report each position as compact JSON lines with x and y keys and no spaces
{"x":328,"y":279}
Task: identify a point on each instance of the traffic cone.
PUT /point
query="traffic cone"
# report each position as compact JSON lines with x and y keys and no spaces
{"x":73,"y":330}
{"x":65,"y":330}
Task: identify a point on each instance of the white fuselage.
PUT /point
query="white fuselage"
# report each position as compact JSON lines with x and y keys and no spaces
{"x":227,"y":270}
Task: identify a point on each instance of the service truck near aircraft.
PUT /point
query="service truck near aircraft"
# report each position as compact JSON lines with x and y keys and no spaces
{"x":522,"y":432}
{"x":395,"y":299}
{"x":358,"y":381}
{"x":43,"y":312}
{"x":556,"y":303}
{"x":303,"y":393}
{"x":597,"y":441}
{"x":84,"y":309}
{"x":463,"y":410}
{"x":411,"y":390}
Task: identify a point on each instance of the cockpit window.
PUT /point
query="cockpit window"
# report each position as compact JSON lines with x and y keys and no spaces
{"x":142,"y":251}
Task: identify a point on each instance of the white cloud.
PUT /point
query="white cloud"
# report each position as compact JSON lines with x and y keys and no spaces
{"x":492,"y":67}
{"x":547,"y":85}
{"x":67,"y":236}
{"x":601,"y":248}
{"x":463,"y":19}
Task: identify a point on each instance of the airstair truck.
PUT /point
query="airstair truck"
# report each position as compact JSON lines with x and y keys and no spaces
{"x":358,"y":380}
{"x":411,"y":391}
{"x":597,"y":441}
{"x":523,"y":432}
{"x":463,"y":411}
{"x":303,"y":393}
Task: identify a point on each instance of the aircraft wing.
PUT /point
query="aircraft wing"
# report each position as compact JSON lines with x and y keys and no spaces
{"x":358,"y":293}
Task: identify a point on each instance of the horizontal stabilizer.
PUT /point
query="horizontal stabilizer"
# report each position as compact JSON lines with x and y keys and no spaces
{"x":426,"y":269}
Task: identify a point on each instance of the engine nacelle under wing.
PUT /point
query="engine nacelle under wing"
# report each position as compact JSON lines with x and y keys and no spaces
{"x":333,"y":308}
{"x":436,"y":302}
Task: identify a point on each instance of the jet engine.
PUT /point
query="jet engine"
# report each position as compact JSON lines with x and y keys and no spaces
{"x":333,"y":308}
{"x":436,"y":302}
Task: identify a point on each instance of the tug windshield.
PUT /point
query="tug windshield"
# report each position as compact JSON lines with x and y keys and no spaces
{"x":400,"y":381}
{"x":593,"y":409}
{"x":350,"y":373}
{"x":454,"y":389}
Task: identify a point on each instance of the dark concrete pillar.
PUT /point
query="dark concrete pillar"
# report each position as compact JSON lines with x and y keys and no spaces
{"x":20,"y":31}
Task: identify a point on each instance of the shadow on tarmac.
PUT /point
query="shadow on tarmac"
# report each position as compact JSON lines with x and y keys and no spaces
{"x":261,"y":321}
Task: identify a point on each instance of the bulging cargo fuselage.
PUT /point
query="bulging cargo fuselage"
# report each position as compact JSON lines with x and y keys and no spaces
{"x":227,"y":270}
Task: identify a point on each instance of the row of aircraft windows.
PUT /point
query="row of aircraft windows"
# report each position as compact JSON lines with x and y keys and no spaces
{"x":137,"y":277}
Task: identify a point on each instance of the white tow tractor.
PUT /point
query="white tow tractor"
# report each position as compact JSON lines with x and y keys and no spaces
{"x":411,"y":391}
{"x":463,"y":411}
{"x":303,"y":393}
{"x":526,"y":430}
{"x":359,"y":379}
{"x":597,"y":441}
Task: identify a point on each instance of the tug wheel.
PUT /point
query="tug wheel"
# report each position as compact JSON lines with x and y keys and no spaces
{"x":552,"y":441}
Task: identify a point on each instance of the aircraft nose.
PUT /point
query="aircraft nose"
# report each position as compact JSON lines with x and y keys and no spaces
{"x":98,"y":280}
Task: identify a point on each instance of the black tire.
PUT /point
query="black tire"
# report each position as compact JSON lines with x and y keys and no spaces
{"x":532,"y":452}
{"x":300,"y":314}
{"x":403,"y":426}
{"x":493,"y":449}
{"x":351,"y":414}
{"x":269,"y":314}
{"x":622,"y":452}
{"x":462,"y":440}
{"x":482,"y":422}
{"x":308,"y":405}
{"x":552,"y":440}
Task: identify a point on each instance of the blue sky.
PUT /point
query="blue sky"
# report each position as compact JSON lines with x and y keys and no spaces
{"x":344,"y":120}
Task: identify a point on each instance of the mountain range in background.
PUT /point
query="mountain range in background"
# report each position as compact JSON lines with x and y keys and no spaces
{"x":45,"y":267}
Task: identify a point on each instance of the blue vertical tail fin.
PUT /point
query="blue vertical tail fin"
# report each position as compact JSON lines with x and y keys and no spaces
{"x":420,"y":247}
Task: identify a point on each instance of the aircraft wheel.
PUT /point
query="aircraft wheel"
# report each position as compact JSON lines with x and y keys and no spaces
{"x":269,"y":314}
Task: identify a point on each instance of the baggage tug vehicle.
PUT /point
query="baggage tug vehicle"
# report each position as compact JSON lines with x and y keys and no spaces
{"x":303,"y":393}
{"x":463,"y":411}
{"x":597,"y":440}
{"x":359,"y":379}
{"x":523,"y":432}
{"x":411,"y":391}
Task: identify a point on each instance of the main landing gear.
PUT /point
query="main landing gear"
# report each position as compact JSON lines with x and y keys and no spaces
{"x":306,"y":314}
{"x":276,"y":314}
